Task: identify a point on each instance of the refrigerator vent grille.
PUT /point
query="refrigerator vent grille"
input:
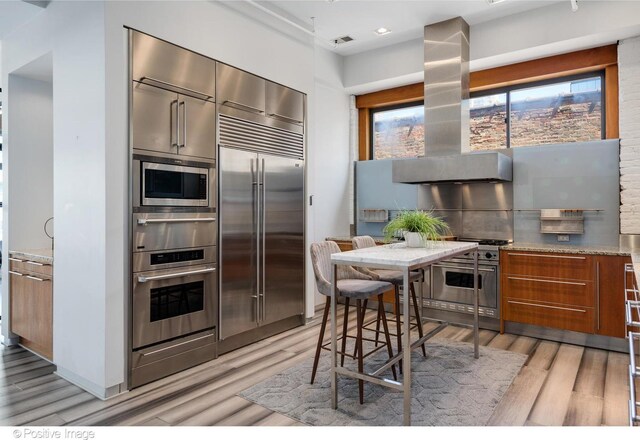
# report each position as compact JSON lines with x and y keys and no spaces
{"x":260,"y":138}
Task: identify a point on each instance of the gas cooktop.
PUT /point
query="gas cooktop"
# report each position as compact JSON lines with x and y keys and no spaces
{"x":487,"y":242}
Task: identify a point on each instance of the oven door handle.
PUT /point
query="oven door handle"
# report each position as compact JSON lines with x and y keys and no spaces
{"x":146,"y":221}
{"x":144,"y":279}
{"x":446,"y":266}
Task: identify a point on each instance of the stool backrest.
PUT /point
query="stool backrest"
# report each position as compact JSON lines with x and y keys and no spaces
{"x":363,"y":241}
{"x":321,"y":261}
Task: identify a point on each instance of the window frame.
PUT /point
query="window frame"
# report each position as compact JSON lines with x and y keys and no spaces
{"x":371,"y":127}
{"x":560,"y":79}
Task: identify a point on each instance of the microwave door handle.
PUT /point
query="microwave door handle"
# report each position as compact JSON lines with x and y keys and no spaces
{"x":146,"y":221}
{"x":144,"y":279}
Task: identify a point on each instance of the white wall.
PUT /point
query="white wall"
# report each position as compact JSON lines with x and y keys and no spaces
{"x":541,"y":32}
{"x":89,"y":47}
{"x":330,"y":162}
{"x":30,"y":203}
{"x":74,"y":34}
{"x":629,"y":89}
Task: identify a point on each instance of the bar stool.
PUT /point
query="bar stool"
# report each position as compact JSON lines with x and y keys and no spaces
{"x":350,"y":284}
{"x":394,"y":277}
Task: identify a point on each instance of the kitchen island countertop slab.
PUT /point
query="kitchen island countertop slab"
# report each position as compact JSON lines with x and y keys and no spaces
{"x":44,"y":256}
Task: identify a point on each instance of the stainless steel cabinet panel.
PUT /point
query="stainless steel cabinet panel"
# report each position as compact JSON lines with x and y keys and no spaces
{"x":166,"y":65}
{"x":283,"y":237}
{"x":240,"y":89}
{"x":197,"y":127}
{"x":155,"y":125}
{"x":239,"y":216}
{"x":284,"y":103}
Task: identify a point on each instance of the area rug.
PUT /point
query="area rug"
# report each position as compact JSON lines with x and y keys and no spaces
{"x":449,"y":388}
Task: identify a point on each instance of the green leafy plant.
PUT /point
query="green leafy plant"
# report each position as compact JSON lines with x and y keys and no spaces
{"x":424,"y":223}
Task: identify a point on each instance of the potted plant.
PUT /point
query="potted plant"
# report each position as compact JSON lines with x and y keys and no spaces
{"x":417,"y":227}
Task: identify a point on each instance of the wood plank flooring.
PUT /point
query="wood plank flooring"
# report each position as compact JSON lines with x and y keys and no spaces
{"x":560,"y":384}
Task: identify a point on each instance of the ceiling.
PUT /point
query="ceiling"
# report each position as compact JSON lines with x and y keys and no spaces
{"x":14,"y":13}
{"x":406,"y":19}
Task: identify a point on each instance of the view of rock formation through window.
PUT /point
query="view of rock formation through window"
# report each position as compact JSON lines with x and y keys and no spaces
{"x":560,"y":112}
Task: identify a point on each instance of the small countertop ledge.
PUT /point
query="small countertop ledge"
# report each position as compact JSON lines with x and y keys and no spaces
{"x":44,"y":256}
{"x":569,"y":249}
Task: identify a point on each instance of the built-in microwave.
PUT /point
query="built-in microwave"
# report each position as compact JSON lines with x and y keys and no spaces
{"x":160,"y":182}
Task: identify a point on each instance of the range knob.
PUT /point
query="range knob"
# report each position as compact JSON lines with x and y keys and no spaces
{"x":488,"y":255}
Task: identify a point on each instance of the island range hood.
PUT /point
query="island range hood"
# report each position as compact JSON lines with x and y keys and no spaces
{"x":446,"y":115}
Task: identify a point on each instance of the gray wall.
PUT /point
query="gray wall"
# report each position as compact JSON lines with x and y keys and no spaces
{"x":375,"y":190}
{"x":579,"y":175}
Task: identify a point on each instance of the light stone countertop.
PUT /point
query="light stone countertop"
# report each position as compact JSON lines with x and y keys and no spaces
{"x":44,"y":256}
{"x":569,"y":249}
{"x":398,"y":255}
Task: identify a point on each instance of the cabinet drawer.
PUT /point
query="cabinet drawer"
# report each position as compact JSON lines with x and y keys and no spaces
{"x":30,"y":267}
{"x":579,"y":293}
{"x":548,"y":265}
{"x":575,"y":318}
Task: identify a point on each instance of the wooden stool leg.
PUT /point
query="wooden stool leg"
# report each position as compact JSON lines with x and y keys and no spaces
{"x":387,"y":338}
{"x":344,"y":330}
{"x":323,"y":326}
{"x":364,"y":308}
{"x":396,"y":308}
{"x":416,"y":310}
{"x":359,"y":316}
{"x":378,"y":324}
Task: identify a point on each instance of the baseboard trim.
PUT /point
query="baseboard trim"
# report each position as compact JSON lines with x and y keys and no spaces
{"x":90,"y":387}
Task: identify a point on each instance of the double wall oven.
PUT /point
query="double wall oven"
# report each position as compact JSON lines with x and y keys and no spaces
{"x":174,"y":281}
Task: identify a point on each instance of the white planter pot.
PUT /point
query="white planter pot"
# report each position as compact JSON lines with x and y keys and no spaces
{"x":414,"y":240}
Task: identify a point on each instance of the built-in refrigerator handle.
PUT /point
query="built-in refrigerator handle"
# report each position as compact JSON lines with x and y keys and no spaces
{"x":263,"y":233}
{"x":255,"y":174}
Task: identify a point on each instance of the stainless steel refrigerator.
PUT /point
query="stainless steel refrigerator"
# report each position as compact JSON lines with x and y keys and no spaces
{"x":261,"y":215}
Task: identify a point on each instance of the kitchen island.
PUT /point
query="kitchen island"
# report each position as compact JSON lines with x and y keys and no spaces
{"x":397,"y":256}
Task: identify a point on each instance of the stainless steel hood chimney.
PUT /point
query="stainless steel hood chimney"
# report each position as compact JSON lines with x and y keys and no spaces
{"x":446,"y":114}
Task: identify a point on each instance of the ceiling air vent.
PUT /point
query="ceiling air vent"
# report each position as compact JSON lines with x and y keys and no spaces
{"x":342,"y":40}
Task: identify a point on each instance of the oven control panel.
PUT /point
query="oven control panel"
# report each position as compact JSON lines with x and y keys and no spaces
{"x":177,"y":256}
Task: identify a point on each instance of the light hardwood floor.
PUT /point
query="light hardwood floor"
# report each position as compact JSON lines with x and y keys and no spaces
{"x":560,"y":384}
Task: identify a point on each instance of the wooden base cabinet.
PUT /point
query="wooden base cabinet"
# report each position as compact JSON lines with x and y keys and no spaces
{"x":582,"y":293}
{"x":610,"y":295}
{"x":31,"y":298}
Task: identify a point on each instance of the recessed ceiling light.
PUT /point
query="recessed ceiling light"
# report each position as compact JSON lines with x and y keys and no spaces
{"x":382,"y":31}
{"x":493,"y":2}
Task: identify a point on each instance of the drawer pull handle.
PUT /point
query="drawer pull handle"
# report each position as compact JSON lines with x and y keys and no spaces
{"x":31,"y":277}
{"x":35,"y":263}
{"x":547,"y":307}
{"x":16,"y":273}
{"x":17,"y":260}
{"x":547,"y":281}
{"x":547,"y":256}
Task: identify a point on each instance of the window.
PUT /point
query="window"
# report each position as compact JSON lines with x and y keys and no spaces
{"x":398,"y":132}
{"x":551,"y":112}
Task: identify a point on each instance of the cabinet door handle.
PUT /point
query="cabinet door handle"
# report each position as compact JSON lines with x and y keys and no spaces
{"x":243,"y":106}
{"x":547,"y":281}
{"x":547,"y":307}
{"x":173,"y":127}
{"x":546,"y":256}
{"x":190,"y":92}
{"x":184,"y":124}
{"x":285,"y":118}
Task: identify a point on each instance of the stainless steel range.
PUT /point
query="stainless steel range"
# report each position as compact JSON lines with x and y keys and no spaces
{"x":451,"y":282}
